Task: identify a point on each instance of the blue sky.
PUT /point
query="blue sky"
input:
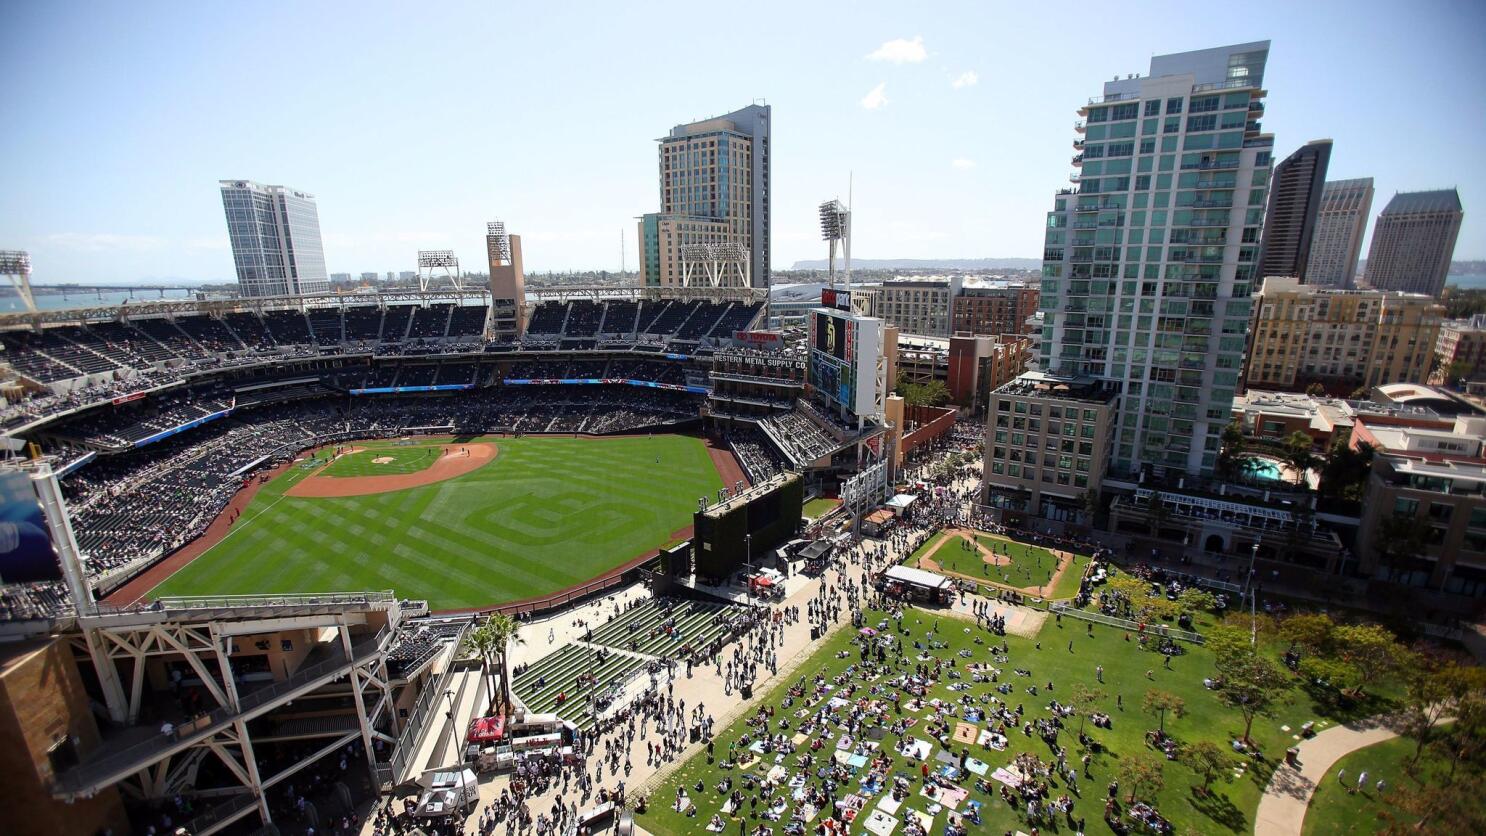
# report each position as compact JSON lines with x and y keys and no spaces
{"x":413,"y":124}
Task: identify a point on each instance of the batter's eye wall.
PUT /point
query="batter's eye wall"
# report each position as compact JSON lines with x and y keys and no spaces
{"x":772,"y":518}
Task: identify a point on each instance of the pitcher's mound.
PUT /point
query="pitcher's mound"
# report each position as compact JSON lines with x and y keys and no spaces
{"x":455,"y":460}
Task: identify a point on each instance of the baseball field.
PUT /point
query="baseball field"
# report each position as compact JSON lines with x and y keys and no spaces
{"x":460,"y":523}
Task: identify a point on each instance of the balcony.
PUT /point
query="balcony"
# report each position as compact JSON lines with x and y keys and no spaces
{"x":1210,"y":165}
{"x":1230,"y":84}
{"x":1078,"y":145}
{"x":1073,"y":178}
{"x":1079,"y":126}
{"x":1209,"y":204}
{"x":1078,"y":159}
{"x":1216,"y":184}
{"x":1085,"y":224}
{"x":1204,"y":222}
{"x":1113,"y":97}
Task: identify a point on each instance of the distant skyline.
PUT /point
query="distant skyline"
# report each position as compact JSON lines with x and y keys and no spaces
{"x":413,"y":128}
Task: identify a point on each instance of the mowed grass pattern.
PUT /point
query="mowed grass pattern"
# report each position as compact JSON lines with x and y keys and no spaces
{"x":547,"y":513}
{"x":405,"y":459}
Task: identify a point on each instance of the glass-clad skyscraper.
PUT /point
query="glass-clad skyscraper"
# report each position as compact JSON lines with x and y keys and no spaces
{"x":1150,"y":259}
{"x":275,"y":235}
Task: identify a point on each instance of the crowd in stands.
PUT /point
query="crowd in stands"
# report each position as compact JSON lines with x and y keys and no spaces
{"x":115,"y":359}
{"x":754,"y":451}
{"x":800,"y":438}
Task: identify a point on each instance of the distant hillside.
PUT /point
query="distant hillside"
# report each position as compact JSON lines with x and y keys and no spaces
{"x":929,"y":264}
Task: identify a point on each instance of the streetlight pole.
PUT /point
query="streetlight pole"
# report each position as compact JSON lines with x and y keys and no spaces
{"x":459,"y":759}
{"x":1249,"y":578}
{"x":748,"y":563}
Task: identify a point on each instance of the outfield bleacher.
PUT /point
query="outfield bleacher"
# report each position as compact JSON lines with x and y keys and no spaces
{"x":639,"y":630}
{"x":558,"y":673}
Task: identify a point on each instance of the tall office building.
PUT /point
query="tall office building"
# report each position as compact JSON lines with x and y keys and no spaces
{"x":1294,"y":200}
{"x":275,"y":235}
{"x":1413,"y":242}
{"x":715,"y":186}
{"x":1340,"y":226}
{"x":1149,"y":263}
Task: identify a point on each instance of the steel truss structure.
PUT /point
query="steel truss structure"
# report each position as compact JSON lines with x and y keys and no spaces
{"x":15,"y":265}
{"x":714,"y":265}
{"x":436,"y":264}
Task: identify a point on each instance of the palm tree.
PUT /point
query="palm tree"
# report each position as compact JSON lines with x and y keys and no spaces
{"x":1300,"y":454}
{"x":490,"y":640}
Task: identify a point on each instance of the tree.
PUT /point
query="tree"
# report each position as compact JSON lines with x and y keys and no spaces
{"x":1085,"y":698}
{"x":1331,"y":673}
{"x":1158,"y":514}
{"x":1370,"y":648}
{"x":1434,"y":687}
{"x":1252,"y":683}
{"x":1344,"y":475}
{"x":1091,"y":502}
{"x":490,"y":641}
{"x":1231,"y":449}
{"x":1196,"y":600}
{"x":1465,"y":739}
{"x":1142,"y":773}
{"x":1208,"y":760}
{"x":928,"y":393}
{"x":1299,"y":454}
{"x":1157,"y":703}
{"x":1315,"y":390}
{"x":1400,"y":539}
{"x":1432,"y":807}
{"x":1309,"y":632}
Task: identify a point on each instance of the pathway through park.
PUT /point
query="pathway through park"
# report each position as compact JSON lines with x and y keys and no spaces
{"x":1282,"y":807}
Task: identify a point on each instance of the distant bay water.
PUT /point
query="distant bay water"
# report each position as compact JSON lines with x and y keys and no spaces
{"x":1468,"y":281}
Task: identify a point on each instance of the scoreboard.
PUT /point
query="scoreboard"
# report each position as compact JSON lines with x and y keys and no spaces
{"x":844,"y":352}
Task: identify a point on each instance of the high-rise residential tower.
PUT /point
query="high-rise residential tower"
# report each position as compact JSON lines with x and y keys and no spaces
{"x":715,"y":186}
{"x":1340,"y":226}
{"x":1413,"y":242}
{"x":275,"y":235}
{"x":1294,"y":200}
{"x":1149,"y":263}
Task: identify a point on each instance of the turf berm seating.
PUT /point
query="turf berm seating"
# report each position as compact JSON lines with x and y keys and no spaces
{"x":697,"y":625}
{"x":558,"y":672}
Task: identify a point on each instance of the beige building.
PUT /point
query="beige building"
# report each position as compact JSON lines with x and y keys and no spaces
{"x":714,"y":189}
{"x":1341,"y":225}
{"x":1341,"y":339}
{"x":1047,"y":444}
{"x":919,"y":306}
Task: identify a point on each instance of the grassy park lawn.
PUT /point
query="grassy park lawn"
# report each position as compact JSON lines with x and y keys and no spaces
{"x":1031,"y":567}
{"x":1334,"y":810}
{"x":404,"y":459}
{"x":819,"y":507}
{"x":1229,"y":809}
{"x":545,"y":514}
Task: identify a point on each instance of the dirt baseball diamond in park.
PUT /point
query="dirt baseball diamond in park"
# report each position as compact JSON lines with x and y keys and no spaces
{"x":1065,"y":560}
{"x":455,"y":460}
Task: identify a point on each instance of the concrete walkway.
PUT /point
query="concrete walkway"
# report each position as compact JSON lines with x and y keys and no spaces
{"x":1282,"y":807}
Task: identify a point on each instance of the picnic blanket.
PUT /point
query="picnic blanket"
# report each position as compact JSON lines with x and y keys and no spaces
{"x":947,"y":757}
{"x":965,"y":733}
{"x":845,"y":742}
{"x":992,"y":739}
{"x":919,"y":750}
{"x":948,"y":796}
{"x":924,"y":820}
{"x":977,"y":767}
{"x":776,"y":774}
{"x":888,"y":804}
{"x":880,"y":823}
{"x":1007,"y":777}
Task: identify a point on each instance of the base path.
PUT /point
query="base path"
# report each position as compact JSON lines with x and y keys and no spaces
{"x":1282,"y":807}
{"x":927,"y":561}
{"x":456,"y":460}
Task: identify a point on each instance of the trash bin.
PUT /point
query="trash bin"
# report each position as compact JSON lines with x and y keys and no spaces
{"x":1292,"y":756}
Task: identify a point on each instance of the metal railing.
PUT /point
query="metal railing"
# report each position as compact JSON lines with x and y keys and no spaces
{"x":101,"y":768}
{"x":220,"y":815}
{"x":1124,"y":623}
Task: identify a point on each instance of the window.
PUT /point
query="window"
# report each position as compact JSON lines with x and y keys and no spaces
{"x":1174,"y":105}
{"x":1202,"y":123}
{"x":1153,"y":107}
{"x":1405,"y":507}
{"x":1440,"y":511}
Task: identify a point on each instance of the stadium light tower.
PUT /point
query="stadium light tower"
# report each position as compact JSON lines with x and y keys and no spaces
{"x":433,"y":264}
{"x":16,"y":266}
{"x":497,"y":243}
{"x":835,"y":225}
{"x":714,"y":265}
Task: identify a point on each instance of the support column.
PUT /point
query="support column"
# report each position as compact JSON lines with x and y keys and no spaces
{"x":361,"y":720}
{"x":108,"y":677}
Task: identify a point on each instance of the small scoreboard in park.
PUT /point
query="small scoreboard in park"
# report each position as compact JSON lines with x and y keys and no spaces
{"x":768,"y":513}
{"x":845,"y":350}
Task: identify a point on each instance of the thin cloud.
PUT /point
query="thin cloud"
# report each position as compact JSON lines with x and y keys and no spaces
{"x":962,"y":163}
{"x":877,"y":98}
{"x":900,"y":51}
{"x":102,"y":241}
{"x":966,"y":79}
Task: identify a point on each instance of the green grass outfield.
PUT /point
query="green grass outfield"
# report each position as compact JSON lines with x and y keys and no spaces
{"x":547,"y":513}
{"x":405,"y":459}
